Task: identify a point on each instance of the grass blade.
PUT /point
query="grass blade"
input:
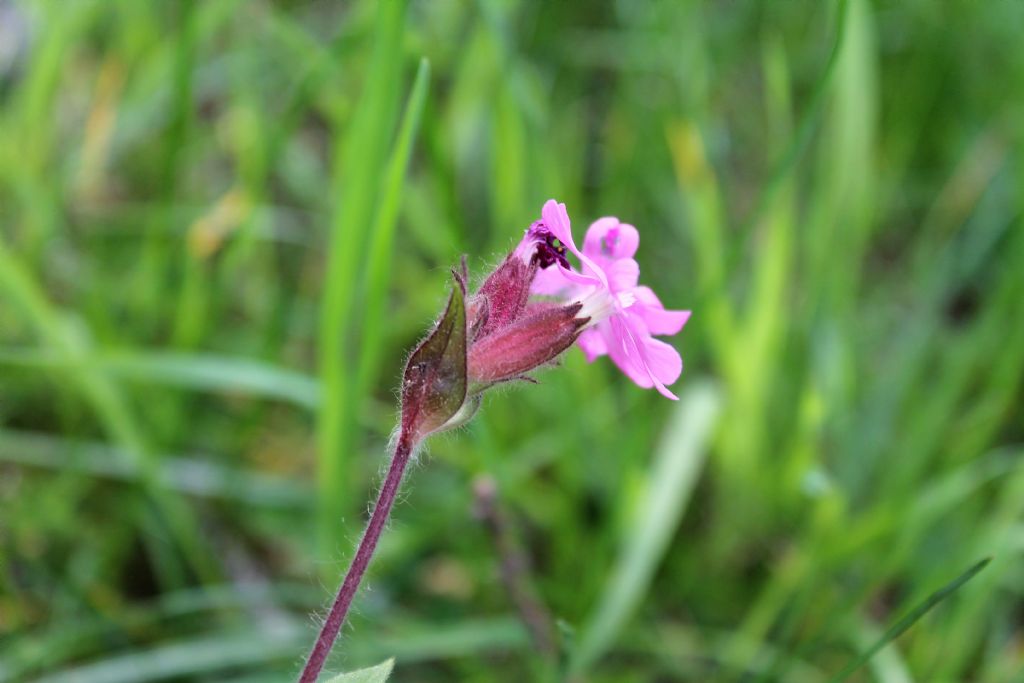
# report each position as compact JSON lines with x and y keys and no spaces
{"x":360,"y":161}
{"x":196,"y":371}
{"x":901,"y":626}
{"x":808,"y":123}
{"x":382,"y":237}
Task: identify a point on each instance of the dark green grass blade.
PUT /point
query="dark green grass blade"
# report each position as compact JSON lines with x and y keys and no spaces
{"x":379,"y":252}
{"x":901,"y":626}
{"x":360,"y":161}
{"x":786,"y":166}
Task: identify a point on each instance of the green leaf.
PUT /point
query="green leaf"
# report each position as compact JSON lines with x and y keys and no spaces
{"x":434,"y":383}
{"x":379,"y":251}
{"x":374,"y":674}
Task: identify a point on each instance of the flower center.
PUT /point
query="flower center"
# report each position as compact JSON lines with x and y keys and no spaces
{"x":599,"y":304}
{"x":551,"y":251}
{"x":543,"y":247}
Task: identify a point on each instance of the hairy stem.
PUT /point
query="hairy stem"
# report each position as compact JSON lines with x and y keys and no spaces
{"x":364,"y":553}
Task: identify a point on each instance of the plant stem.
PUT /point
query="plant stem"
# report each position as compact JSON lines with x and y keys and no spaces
{"x":364,"y":553}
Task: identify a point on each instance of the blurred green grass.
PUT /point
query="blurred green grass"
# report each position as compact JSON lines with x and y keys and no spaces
{"x":223,"y":223}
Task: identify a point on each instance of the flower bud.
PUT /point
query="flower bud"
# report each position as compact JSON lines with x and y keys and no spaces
{"x":502,"y":296}
{"x":535,"y":339}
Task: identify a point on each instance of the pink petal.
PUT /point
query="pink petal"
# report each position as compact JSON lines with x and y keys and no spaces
{"x":658,"y":320}
{"x":626,"y":244}
{"x":607,"y":238}
{"x":550,"y":282}
{"x":663,"y":360}
{"x":593,"y":344}
{"x":664,"y":391}
{"x":624,"y":353}
{"x":593,"y":241}
{"x":623,"y":274}
{"x":646,"y":295}
{"x":663,"y":321}
{"x":556,"y":219}
{"x":636,"y":341}
{"x":598,"y":279}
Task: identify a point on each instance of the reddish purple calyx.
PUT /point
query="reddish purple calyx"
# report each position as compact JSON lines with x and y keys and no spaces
{"x":535,"y":339}
{"x":501,"y":298}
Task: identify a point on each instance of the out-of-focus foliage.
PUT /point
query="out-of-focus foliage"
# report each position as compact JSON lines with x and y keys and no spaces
{"x":224,"y":223}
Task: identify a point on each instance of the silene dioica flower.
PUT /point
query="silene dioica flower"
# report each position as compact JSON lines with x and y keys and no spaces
{"x":529,"y":310}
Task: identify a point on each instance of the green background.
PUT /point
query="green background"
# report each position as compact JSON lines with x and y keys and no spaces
{"x":224,"y":223}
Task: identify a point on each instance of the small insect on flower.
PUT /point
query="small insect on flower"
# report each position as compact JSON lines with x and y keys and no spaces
{"x":622,"y":315}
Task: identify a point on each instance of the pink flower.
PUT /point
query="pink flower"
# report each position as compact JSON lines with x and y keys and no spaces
{"x":623,"y":315}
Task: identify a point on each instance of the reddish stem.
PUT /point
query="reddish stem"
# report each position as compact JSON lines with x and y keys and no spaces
{"x":364,"y":553}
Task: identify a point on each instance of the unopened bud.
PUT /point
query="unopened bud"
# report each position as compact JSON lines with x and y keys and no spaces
{"x":528,"y":343}
{"x":502,"y":297}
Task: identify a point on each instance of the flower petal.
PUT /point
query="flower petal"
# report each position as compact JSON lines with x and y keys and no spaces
{"x":626,"y":241}
{"x":658,"y":319}
{"x":663,"y":321}
{"x":556,"y":219}
{"x":550,"y":282}
{"x":636,"y":341}
{"x":623,"y":351}
{"x":646,"y":295}
{"x":594,"y":241}
{"x":593,"y":344}
{"x":623,"y":274}
{"x":598,"y":279}
{"x":607,"y":238}
{"x":663,"y":361}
